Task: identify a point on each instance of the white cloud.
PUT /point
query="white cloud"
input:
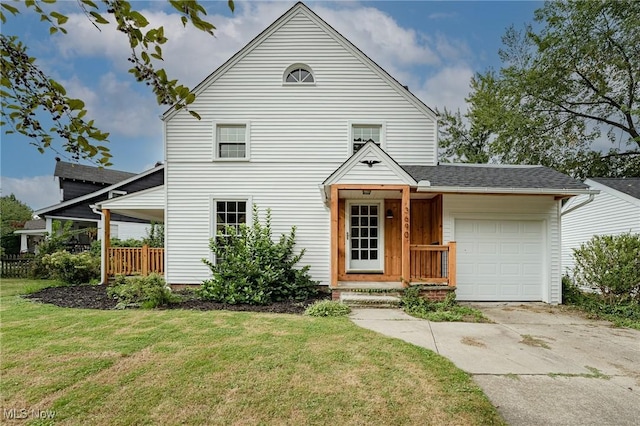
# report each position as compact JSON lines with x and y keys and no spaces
{"x":447,"y":88}
{"x":35,"y":191}
{"x":380,"y":37}
{"x":117,"y":107}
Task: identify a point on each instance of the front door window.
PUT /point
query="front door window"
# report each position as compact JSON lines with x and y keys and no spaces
{"x":364,"y":248}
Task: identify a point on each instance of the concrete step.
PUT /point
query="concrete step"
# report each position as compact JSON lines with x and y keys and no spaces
{"x":369,"y":300}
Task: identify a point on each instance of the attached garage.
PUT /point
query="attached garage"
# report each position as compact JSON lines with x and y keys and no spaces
{"x":500,"y":260}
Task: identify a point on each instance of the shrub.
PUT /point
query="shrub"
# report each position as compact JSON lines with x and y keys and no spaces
{"x":71,"y":268}
{"x":251,"y":268}
{"x":610,"y":263}
{"x":146,"y":292}
{"x":327,"y":308}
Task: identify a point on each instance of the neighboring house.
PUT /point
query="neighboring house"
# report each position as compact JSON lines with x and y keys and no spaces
{"x":303,"y":123}
{"x":31,"y":234}
{"x":83,"y":186}
{"x":615,"y":210}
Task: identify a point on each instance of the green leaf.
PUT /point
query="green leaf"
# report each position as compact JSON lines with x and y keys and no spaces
{"x":99,"y":19}
{"x":195,"y":114}
{"x":139,"y":19}
{"x":89,"y":3}
{"x":11,"y":9}
{"x":231,"y":5}
{"x":53,"y":30}
{"x":75,"y":104}
{"x":62,"y":19}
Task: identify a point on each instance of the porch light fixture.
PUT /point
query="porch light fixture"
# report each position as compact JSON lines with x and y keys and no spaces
{"x":366,"y":192}
{"x":389,"y":214}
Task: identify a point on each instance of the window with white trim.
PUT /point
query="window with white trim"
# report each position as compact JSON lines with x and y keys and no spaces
{"x":299,"y":74}
{"x":361,"y":134}
{"x":231,"y":141}
{"x":228,"y":213}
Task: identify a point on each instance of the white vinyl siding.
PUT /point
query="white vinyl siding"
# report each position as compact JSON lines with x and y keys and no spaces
{"x":513,"y":208}
{"x":607,"y":214}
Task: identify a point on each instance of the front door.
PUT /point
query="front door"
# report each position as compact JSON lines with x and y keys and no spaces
{"x":364,"y":245}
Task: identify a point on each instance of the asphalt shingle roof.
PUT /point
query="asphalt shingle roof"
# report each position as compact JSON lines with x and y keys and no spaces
{"x":34,"y":224}
{"x":629,"y":186}
{"x":493,"y":176}
{"x":66,"y":170}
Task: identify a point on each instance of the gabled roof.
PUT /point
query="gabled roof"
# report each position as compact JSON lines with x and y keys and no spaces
{"x":74,"y":171}
{"x":302,"y":8}
{"x":99,"y":192}
{"x":366,"y":151}
{"x":629,"y":186}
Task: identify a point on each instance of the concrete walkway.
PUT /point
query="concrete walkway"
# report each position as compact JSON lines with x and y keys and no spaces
{"x":537,"y":364}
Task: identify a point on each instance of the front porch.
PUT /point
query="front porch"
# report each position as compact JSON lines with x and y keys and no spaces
{"x":386,"y":237}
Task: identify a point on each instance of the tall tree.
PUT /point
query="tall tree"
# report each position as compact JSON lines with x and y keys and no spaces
{"x":13,"y":215}
{"x":564,"y":86}
{"x":26,"y":90}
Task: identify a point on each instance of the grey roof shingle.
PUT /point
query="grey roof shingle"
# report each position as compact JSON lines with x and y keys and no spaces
{"x":629,"y":186}
{"x":493,"y":176}
{"x":34,"y":224}
{"x":66,"y":170}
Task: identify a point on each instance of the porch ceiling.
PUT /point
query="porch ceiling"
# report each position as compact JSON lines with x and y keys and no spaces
{"x":381,"y":194}
{"x":154,"y":215}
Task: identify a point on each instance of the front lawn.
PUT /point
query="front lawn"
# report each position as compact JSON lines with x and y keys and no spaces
{"x":218,"y":367}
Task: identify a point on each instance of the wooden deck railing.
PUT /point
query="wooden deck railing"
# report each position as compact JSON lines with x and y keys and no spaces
{"x":135,"y":260}
{"x":433,"y":263}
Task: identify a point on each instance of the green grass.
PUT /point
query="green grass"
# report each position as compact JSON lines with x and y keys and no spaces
{"x":189,"y":367}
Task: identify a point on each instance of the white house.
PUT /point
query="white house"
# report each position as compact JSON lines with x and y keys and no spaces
{"x":302,"y":122}
{"x":615,"y":210}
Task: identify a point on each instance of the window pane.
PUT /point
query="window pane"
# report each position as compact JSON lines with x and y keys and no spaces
{"x":363,"y":134}
{"x":355,"y":243}
{"x":355,"y":232}
{"x":373,"y":221}
{"x":354,"y":254}
{"x":354,"y":221}
{"x":364,"y":244}
{"x":354,"y":210}
{"x":365,"y":255}
{"x":374,"y":210}
{"x":373,"y":243}
{"x":232,"y":141}
{"x":365,"y":232}
{"x":364,"y":210}
{"x":374,"y":254}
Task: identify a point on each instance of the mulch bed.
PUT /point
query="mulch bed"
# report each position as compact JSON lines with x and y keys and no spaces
{"x":95,"y":297}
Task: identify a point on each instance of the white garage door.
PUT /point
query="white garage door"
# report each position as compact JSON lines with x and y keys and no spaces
{"x":499,"y":260}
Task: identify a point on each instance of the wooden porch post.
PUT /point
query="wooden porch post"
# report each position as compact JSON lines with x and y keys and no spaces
{"x":334,"y":236}
{"x":406,"y":235}
{"x":106,"y":243}
{"x":452,"y":264}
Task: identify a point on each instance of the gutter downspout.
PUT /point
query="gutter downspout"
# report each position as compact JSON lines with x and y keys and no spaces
{"x":577,"y":206}
{"x":103,"y":257}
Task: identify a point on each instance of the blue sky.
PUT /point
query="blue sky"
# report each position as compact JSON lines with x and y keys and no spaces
{"x":433,"y":47}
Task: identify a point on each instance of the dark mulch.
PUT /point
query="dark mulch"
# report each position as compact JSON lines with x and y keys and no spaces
{"x":95,"y":297}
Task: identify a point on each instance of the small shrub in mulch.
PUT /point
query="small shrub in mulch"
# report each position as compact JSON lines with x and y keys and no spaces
{"x":96,"y":297}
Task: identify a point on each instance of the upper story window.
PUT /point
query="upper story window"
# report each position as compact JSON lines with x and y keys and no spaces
{"x":299,"y":74}
{"x":361,"y":134}
{"x":232,"y":142}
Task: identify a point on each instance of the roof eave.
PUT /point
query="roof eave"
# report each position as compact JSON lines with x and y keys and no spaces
{"x":424,"y":186}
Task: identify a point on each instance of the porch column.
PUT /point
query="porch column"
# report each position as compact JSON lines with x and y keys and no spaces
{"x":106,"y":243}
{"x":406,"y":235}
{"x":334,"y":236}
{"x":24,"y":245}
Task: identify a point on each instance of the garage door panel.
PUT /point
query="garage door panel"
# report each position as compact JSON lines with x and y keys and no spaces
{"x":499,"y":260}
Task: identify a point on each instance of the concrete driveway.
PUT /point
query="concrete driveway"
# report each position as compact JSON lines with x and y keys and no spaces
{"x":537,"y":364}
